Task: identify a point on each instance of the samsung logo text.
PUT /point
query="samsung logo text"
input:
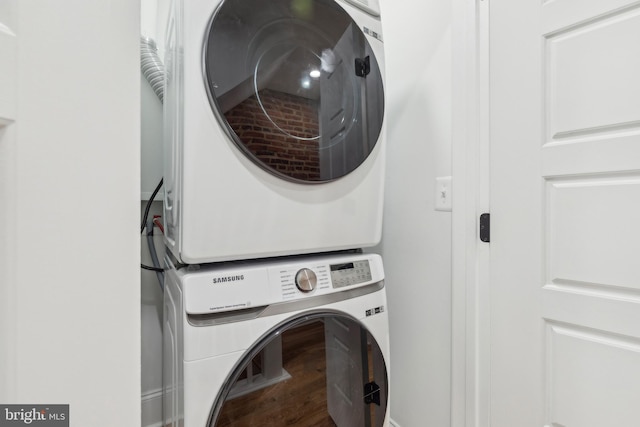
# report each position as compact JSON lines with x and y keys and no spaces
{"x":227,"y":279}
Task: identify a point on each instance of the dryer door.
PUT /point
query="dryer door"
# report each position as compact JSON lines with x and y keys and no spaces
{"x":296,"y":86}
{"x":323,"y":369}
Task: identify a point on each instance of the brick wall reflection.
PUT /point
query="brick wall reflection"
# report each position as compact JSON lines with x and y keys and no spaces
{"x":297,"y":116}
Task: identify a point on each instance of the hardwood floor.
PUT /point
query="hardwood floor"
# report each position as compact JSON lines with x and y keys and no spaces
{"x":300,"y":401}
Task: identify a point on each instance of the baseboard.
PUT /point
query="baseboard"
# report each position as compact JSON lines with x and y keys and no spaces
{"x":393,"y":423}
{"x":152,"y":408}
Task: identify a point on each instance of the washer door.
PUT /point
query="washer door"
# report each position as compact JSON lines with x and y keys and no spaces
{"x":324,"y":369}
{"x":296,"y":86}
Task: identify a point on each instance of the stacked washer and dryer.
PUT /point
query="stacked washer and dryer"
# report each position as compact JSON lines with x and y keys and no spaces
{"x":273,"y":181}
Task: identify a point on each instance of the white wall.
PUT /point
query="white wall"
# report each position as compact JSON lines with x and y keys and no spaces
{"x":74,"y":316}
{"x":416,"y":242}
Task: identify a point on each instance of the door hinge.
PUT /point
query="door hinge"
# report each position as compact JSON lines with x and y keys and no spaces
{"x":485,"y":227}
{"x":372,"y":393}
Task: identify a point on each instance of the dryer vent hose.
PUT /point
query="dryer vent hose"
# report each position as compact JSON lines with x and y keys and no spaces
{"x":151,"y":65}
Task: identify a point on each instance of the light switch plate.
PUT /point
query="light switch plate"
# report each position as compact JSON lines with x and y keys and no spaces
{"x":443,"y":194}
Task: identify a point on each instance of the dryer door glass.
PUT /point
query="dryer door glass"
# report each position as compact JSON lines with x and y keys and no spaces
{"x":322,"y":370}
{"x":296,"y":85}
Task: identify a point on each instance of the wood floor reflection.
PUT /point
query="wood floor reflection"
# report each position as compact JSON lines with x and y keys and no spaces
{"x":300,"y":401}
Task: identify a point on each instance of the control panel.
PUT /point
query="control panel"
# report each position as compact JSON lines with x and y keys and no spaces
{"x":350,"y":273}
{"x":322,"y":276}
{"x":250,"y":285}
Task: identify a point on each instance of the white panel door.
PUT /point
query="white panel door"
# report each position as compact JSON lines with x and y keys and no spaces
{"x":565,"y":210}
{"x":345,"y":382}
{"x":335,"y":108}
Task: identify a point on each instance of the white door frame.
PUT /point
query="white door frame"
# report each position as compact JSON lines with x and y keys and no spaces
{"x":470,"y":367}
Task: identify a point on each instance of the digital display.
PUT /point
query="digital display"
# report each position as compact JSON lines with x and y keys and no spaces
{"x":345,"y":266}
{"x":350,"y":273}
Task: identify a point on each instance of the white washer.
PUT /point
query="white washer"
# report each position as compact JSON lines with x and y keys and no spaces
{"x":301,"y":341}
{"x":274,"y":128}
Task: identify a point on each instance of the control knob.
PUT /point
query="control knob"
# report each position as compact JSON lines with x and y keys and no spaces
{"x":306,"y":280}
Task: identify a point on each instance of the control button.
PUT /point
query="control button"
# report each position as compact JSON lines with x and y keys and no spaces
{"x":306,"y":280}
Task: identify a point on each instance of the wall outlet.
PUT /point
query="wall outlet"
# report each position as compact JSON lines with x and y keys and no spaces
{"x":443,"y":194}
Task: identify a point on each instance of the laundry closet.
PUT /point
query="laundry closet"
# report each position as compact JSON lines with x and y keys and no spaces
{"x":273,"y":184}
{"x":274,"y":178}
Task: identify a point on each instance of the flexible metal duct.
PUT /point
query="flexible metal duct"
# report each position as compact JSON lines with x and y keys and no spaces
{"x":151,"y":65}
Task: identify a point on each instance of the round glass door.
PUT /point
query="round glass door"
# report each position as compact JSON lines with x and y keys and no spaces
{"x":296,"y":86}
{"x":318,"y":370}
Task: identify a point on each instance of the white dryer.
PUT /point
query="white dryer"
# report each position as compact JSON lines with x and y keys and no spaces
{"x":274,"y":128}
{"x":301,"y":341}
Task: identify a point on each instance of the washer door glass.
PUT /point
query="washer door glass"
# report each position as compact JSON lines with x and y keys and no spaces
{"x":323,"y":369}
{"x":296,"y":86}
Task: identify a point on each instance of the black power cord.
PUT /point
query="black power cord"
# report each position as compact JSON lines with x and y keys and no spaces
{"x":144,"y":223}
{"x":146,"y":209}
